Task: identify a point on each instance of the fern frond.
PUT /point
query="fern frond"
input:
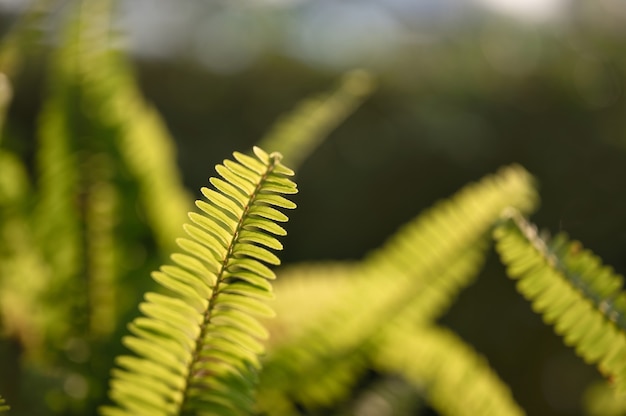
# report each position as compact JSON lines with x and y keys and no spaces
{"x":105,"y":83}
{"x":342,"y":331}
{"x":56,"y":219}
{"x":436,"y":255}
{"x":455,"y":379}
{"x":572,"y":290}
{"x":87,"y":84}
{"x":198,"y":348}
{"x":298,"y":133}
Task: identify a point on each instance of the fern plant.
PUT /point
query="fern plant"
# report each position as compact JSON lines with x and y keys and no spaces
{"x":198,"y":346}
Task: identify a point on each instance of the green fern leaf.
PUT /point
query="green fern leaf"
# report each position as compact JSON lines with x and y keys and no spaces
{"x":456,"y":380}
{"x":573,"y":291}
{"x":197,"y":348}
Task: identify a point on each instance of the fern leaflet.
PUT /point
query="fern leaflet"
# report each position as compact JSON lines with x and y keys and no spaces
{"x":198,"y":348}
{"x":573,"y":291}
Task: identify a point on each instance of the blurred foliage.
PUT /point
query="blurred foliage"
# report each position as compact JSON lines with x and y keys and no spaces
{"x":76,"y":222}
{"x":99,"y":202}
{"x":448,"y":109}
{"x":394,"y":292}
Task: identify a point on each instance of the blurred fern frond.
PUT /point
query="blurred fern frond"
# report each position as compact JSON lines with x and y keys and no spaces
{"x":435,"y":255}
{"x":297,"y":134}
{"x":198,"y":347}
{"x":137,"y":133}
{"x":304,"y":292}
{"x":454,"y":378}
{"x":574,"y":292}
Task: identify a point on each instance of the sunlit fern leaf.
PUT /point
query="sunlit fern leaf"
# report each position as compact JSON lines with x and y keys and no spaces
{"x":572,"y":290}
{"x":438,"y":253}
{"x":197,"y":348}
{"x":3,"y":405}
{"x":455,"y":379}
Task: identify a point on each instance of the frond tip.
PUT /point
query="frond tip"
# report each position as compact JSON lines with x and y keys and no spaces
{"x":197,"y":347}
